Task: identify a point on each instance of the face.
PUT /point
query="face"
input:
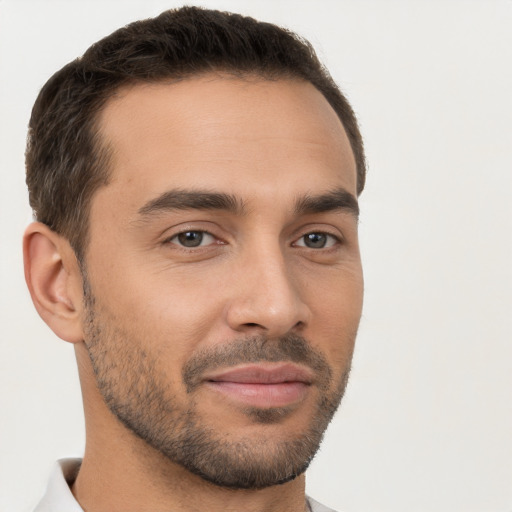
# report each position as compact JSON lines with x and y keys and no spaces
{"x":223,"y":277}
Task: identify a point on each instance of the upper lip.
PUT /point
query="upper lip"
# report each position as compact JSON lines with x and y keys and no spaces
{"x":269,"y":373}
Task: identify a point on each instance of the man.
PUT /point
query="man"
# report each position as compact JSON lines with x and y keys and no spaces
{"x":194,"y":179}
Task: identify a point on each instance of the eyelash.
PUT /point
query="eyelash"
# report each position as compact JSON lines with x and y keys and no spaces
{"x":334,"y":240}
{"x":202,"y":232}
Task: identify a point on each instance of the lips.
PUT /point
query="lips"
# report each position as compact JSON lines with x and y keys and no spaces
{"x":262,"y":385}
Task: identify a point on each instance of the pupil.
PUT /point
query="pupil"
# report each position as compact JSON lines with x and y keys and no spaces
{"x":190,"y":238}
{"x":315,"y":240}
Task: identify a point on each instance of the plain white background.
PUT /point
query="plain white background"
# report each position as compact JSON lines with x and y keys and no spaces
{"x":426,"y":424}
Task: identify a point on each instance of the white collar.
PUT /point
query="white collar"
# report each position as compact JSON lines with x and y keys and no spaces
{"x":58,"y":496}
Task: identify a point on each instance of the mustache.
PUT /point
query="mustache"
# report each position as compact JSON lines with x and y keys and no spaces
{"x":256,"y":349}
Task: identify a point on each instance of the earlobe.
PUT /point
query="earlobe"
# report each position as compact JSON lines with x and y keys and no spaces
{"x":54,"y":281}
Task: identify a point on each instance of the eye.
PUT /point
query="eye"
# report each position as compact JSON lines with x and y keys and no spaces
{"x":192,"y":239}
{"x":317,"y":240}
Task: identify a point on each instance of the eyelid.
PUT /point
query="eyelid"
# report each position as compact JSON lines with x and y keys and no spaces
{"x":333,"y":229}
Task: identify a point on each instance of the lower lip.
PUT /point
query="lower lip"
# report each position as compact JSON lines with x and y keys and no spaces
{"x":262,"y":395}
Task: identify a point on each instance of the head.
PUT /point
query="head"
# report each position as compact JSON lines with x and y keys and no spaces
{"x":195,"y":180}
{"x":66,"y":159}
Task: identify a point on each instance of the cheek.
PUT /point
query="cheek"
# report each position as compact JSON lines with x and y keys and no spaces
{"x":336,"y":294}
{"x":336,"y":311}
{"x":166,"y":311}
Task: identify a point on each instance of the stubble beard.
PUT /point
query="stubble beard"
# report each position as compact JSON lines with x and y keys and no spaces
{"x":135,"y":388}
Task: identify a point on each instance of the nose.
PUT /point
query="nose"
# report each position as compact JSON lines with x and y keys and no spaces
{"x":266,"y":297}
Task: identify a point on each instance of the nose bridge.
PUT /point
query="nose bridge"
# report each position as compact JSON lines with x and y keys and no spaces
{"x":266,"y":296}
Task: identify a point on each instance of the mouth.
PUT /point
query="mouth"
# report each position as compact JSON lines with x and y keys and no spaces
{"x":263,"y":385}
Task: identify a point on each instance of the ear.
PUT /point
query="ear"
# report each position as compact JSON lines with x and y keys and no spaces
{"x":54,"y":280}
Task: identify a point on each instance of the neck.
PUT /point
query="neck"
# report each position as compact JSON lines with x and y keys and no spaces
{"x":116,"y":478}
{"x":122,"y":488}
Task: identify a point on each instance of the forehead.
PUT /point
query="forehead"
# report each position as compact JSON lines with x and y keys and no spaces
{"x":246,"y":135}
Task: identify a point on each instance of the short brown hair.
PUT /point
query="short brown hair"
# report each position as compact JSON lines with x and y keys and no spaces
{"x":65,"y":159}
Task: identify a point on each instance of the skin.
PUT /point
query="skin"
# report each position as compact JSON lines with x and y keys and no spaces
{"x":266,"y":144}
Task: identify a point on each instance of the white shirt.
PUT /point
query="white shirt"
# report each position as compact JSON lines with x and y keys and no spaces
{"x":59,"y":498}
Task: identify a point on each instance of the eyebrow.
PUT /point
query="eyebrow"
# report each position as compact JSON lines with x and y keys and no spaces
{"x":337,"y":199}
{"x":174,"y":200}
